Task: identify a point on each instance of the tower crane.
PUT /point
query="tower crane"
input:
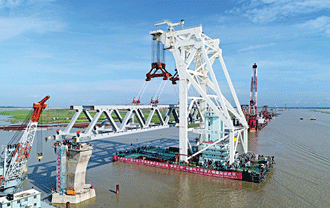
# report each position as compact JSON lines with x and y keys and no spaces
{"x":14,"y":155}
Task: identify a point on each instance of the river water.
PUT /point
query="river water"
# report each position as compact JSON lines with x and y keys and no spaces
{"x":300,"y":177}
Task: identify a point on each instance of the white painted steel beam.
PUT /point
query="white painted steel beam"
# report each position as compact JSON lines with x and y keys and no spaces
{"x":110,"y":128}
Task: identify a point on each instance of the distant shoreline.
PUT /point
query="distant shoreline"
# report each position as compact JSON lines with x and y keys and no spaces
{"x":59,"y":116}
{"x":322,"y":111}
{"x":49,"y":116}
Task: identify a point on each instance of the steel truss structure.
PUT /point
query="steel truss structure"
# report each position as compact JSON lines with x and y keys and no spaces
{"x":194,"y":55}
{"x":253,"y":105}
{"x":125,"y":114}
{"x":14,"y":156}
{"x":23,"y":147}
{"x":21,"y":155}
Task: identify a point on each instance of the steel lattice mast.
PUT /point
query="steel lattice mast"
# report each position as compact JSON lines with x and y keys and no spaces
{"x":23,"y":149}
{"x":252,"y":114}
{"x":253,"y":105}
{"x":15,"y":154}
{"x":194,"y":55}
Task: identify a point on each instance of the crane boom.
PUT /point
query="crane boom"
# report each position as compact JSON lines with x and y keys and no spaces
{"x":252,"y":117}
{"x":15,"y":156}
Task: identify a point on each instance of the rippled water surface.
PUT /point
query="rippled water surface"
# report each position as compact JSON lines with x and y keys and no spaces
{"x":300,"y":177}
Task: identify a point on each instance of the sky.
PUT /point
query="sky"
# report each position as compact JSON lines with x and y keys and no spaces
{"x":98,"y":52}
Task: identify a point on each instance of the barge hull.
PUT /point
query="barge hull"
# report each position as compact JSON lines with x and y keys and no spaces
{"x":195,"y":170}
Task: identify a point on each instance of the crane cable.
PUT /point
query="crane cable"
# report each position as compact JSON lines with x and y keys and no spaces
{"x":144,"y":89}
{"x":39,"y":140}
{"x":158,"y":57}
{"x":160,"y":89}
{"x":141,"y":90}
{"x":18,"y":134}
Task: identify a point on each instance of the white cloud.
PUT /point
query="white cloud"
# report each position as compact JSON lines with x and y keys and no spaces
{"x":21,"y":16}
{"x":97,"y":92}
{"x":124,"y":85}
{"x":128,"y":65}
{"x":264,"y":11}
{"x":19,"y":3}
{"x":13,"y":26}
{"x":10,"y":3}
{"x":320,"y":24}
{"x":32,"y":96}
{"x":256,"y":47}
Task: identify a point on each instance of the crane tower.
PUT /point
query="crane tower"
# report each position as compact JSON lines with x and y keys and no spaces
{"x":194,"y":55}
{"x":253,"y":108}
{"x":253,"y":104}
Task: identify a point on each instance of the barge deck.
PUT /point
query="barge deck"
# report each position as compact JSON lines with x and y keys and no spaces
{"x":247,"y":167}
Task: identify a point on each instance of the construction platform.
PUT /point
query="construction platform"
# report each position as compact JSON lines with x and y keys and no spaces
{"x":84,"y":195}
{"x":247,"y":167}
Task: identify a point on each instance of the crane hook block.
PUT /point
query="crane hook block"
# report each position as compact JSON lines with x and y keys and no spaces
{"x":158,"y":70}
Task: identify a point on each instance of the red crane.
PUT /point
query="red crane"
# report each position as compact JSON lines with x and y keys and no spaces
{"x":253,"y":107}
{"x":16,"y":153}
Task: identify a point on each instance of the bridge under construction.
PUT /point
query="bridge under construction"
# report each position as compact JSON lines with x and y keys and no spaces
{"x":194,"y":54}
{"x":131,"y":119}
{"x":221,"y":126}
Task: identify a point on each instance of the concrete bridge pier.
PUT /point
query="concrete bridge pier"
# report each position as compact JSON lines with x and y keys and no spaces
{"x":71,"y":174}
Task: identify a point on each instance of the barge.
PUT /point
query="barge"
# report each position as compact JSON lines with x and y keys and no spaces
{"x":247,"y":167}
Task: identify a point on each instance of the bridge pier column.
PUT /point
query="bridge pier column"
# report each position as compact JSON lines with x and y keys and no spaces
{"x":72,"y":187}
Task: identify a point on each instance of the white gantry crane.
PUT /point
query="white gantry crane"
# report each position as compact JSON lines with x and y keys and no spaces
{"x":194,"y":55}
{"x":15,"y":154}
